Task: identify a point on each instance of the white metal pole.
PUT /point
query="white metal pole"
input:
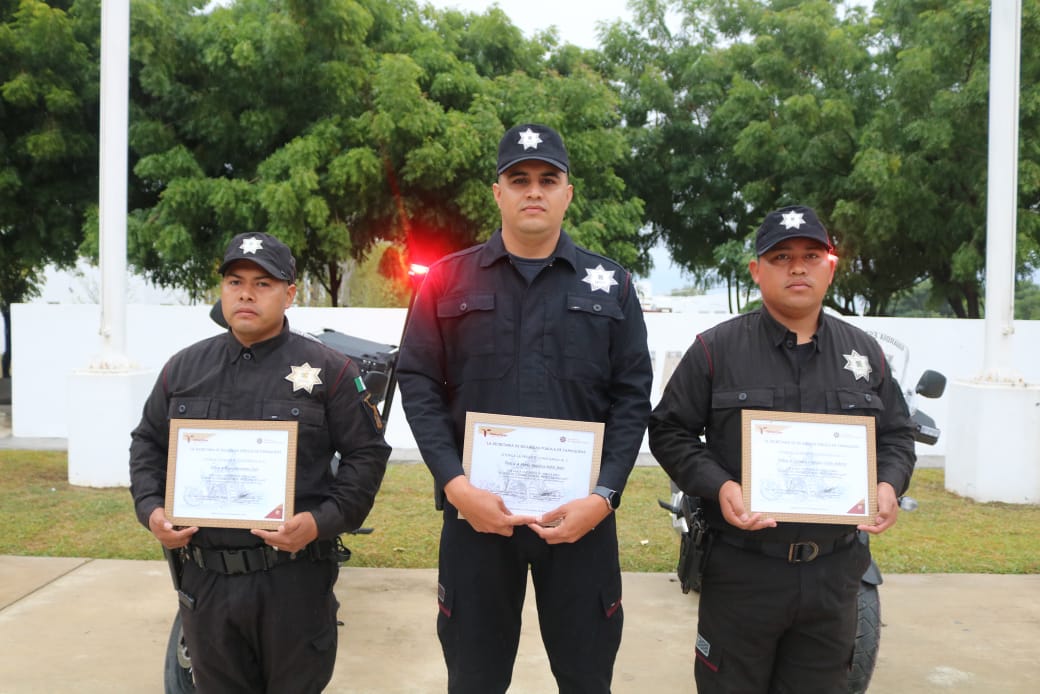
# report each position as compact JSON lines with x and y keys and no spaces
{"x":115,"y":87}
{"x":1002,"y":188}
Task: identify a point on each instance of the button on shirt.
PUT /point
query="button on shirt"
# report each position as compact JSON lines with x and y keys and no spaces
{"x":754,"y":362}
{"x":219,"y":378}
{"x":481,"y":338}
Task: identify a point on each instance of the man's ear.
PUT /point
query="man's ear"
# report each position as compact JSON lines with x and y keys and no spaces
{"x":753,"y":269}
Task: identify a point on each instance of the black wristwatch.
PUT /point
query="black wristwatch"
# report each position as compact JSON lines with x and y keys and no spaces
{"x":609,"y":494}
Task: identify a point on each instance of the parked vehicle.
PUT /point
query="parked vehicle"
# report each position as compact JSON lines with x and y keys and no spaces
{"x":694,"y":538}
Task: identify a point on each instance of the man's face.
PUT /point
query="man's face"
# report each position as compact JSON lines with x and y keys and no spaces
{"x":533,"y":196}
{"x":794,"y":276}
{"x":253,"y":302}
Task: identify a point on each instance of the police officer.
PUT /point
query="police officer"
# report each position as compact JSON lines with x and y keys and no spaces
{"x":527,"y":324}
{"x":777,"y":609}
{"x":258,"y":608}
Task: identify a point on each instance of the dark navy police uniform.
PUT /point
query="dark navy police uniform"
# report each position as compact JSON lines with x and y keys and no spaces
{"x":788,"y":591}
{"x":265,"y":620}
{"x":481,"y":338}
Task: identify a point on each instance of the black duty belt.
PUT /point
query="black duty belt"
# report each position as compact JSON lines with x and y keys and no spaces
{"x":794,"y":552}
{"x":249,"y":559}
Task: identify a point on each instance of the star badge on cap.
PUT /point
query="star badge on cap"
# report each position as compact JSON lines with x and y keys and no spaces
{"x":252,"y":245}
{"x":858,"y":364}
{"x":530,"y":139}
{"x":600,"y":279}
{"x":793,"y":220}
{"x":303,"y":377}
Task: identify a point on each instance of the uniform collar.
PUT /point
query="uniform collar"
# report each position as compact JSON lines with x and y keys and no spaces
{"x":778,"y":332}
{"x":495,"y":250}
{"x":236,"y":349}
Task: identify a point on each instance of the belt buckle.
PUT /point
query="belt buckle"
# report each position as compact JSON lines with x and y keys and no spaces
{"x":794,"y":552}
{"x":235,"y":561}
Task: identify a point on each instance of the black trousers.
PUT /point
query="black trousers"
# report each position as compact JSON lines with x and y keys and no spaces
{"x":269,"y":631}
{"x":482,"y":582}
{"x":766,"y":626}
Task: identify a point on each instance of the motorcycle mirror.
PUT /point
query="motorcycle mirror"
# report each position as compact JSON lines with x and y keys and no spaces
{"x":932,"y":384}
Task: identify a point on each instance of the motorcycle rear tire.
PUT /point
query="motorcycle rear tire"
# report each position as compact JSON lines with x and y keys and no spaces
{"x":177,"y":679}
{"x":868,"y":638}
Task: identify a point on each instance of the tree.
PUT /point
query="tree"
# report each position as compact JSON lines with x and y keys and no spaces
{"x":920,"y":177}
{"x":1027,"y":300}
{"x":337,"y":125}
{"x":878,"y":121}
{"x":748,"y":106}
{"x":48,"y":141}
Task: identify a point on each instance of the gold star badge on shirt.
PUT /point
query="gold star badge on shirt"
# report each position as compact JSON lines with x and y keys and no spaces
{"x":304,"y":377}
{"x":858,"y":364}
{"x":600,"y":278}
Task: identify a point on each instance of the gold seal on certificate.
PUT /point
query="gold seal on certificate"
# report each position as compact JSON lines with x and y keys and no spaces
{"x":810,"y":468}
{"x":231,"y":473}
{"x":534,"y":464}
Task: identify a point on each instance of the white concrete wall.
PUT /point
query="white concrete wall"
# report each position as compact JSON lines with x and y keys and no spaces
{"x":50,"y":341}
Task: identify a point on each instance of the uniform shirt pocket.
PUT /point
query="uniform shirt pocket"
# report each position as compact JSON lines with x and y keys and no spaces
{"x":476,"y":338}
{"x":468,"y":324}
{"x":590,"y":320}
{"x":588,"y":324}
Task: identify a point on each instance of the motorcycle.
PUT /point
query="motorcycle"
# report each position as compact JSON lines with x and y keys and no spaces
{"x":687,"y":518}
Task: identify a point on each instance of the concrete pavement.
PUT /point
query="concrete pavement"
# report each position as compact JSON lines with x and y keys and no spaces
{"x":94,"y":626}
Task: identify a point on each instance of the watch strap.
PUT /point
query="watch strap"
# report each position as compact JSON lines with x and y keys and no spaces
{"x":607,"y":493}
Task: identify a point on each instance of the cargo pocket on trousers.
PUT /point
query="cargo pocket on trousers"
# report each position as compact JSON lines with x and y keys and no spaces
{"x":325,"y":640}
{"x":610,"y":596}
{"x":445,"y":597}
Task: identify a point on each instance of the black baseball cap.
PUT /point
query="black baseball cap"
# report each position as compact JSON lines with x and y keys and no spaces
{"x":793,"y":221}
{"x":532,"y":141}
{"x":264,"y":250}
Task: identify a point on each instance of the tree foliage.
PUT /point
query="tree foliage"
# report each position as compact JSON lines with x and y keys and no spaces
{"x":339,"y":124}
{"x":48,"y":141}
{"x":877,"y":119}
{"x":346,"y":125}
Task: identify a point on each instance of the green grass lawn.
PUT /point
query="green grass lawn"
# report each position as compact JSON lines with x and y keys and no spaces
{"x":43,"y":515}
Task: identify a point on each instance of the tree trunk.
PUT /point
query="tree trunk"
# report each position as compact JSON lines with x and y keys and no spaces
{"x":5,"y":310}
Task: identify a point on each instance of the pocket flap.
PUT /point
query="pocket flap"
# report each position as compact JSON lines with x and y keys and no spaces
{"x":749,"y":398}
{"x":859,"y":400}
{"x":190,"y":408}
{"x":461,"y":304}
{"x":293,"y":410}
{"x":595,"y":305}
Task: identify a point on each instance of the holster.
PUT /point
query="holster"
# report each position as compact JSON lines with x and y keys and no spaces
{"x":694,"y":546}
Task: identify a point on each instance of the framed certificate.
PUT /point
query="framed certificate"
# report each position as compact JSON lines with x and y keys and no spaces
{"x":231,"y":473}
{"x":810,"y":468}
{"x":534,"y":464}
